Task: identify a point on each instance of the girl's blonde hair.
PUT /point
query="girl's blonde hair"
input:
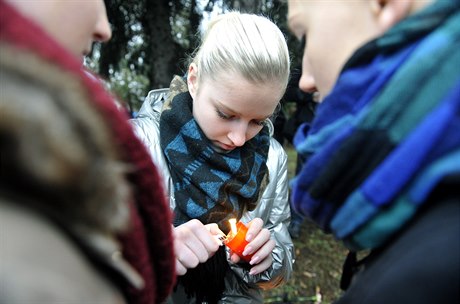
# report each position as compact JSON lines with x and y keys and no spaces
{"x":246,"y":44}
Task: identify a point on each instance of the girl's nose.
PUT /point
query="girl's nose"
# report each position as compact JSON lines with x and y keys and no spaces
{"x":307,"y":81}
{"x":102,"y":32}
{"x":238,"y":134}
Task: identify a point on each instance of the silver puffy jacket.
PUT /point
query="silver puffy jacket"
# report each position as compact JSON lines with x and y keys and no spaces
{"x":273,"y":209}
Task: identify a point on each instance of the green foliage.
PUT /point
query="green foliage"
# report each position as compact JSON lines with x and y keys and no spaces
{"x":151,"y":40}
{"x":129,"y":86}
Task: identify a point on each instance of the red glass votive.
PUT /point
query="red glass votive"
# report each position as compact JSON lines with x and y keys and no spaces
{"x":238,"y":242}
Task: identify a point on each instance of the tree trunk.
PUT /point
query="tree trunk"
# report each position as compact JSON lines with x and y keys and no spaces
{"x":161,"y":56}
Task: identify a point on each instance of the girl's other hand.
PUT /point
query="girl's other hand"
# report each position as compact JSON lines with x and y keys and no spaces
{"x":260,"y":245}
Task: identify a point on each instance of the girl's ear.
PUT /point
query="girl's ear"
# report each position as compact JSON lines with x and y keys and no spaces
{"x":192,"y":80}
{"x":390,"y":12}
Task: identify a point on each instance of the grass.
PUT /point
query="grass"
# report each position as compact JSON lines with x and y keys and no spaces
{"x":318,"y":265}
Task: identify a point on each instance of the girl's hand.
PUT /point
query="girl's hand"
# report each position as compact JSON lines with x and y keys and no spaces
{"x":194,"y":243}
{"x":260,"y":245}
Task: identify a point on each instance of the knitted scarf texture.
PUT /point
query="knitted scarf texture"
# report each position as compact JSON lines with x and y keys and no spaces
{"x":388,"y":133}
{"x":148,"y":245}
{"x":208,"y":185}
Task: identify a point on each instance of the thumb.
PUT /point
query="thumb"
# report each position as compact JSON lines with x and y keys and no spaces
{"x":214,"y":229}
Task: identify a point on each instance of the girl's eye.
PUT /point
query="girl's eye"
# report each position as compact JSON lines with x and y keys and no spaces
{"x":222,"y":115}
{"x":259,"y":122}
{"x":229,"y":117}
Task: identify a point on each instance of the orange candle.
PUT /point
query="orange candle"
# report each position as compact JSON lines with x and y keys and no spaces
{"x":237,"y":242}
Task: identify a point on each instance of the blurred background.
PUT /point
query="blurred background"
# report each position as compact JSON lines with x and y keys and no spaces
{"x":151,"y":41}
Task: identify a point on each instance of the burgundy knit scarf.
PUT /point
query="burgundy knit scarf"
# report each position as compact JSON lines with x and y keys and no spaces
{"x":149,"y":245}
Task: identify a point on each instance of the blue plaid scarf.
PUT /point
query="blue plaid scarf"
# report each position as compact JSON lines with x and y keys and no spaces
{"x":387,"y":134}
{"x":208,"y":185}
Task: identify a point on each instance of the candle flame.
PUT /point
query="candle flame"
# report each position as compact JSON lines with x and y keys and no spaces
{"x":232,"y":222}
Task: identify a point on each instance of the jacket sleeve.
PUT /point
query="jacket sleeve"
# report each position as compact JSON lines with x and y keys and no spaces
{"x":146,"y":127}
{"x":274,"y":209}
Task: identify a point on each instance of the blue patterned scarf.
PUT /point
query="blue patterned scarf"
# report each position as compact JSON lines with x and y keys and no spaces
{"x":208,"y":185}
{"x":388,"y":133}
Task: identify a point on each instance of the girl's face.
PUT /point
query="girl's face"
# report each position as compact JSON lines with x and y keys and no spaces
{"x":232,"y":110}
{"x":75,"y":24}
{"x":332,"y":30}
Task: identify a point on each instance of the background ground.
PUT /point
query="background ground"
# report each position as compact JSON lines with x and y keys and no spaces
{"x":318,"y":264}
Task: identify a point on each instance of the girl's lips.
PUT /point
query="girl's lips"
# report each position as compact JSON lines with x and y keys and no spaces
{"x":225,"y":147}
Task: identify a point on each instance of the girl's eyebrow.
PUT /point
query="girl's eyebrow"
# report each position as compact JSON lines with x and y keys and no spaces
{"x":221,"y":105}
{"x":233,"y":112}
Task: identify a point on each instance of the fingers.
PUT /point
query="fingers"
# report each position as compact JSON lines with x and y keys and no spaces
{"x":186,"y":257}
{"x":193,"y":244}
{"x":258,"y":237}
{"x":262,"y":258}
{"x":254,"y":228}
{"x":260,"y":246}
{"x":180,"y":269}
{"x":263,"y":265}
{"x":234,"y":258}
{"x":216,"y":232}
{"x":258,"y":242}
{"x":197,"y":235}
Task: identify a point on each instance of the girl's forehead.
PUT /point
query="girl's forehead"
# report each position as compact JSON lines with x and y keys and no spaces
{"x":243,"y":98}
